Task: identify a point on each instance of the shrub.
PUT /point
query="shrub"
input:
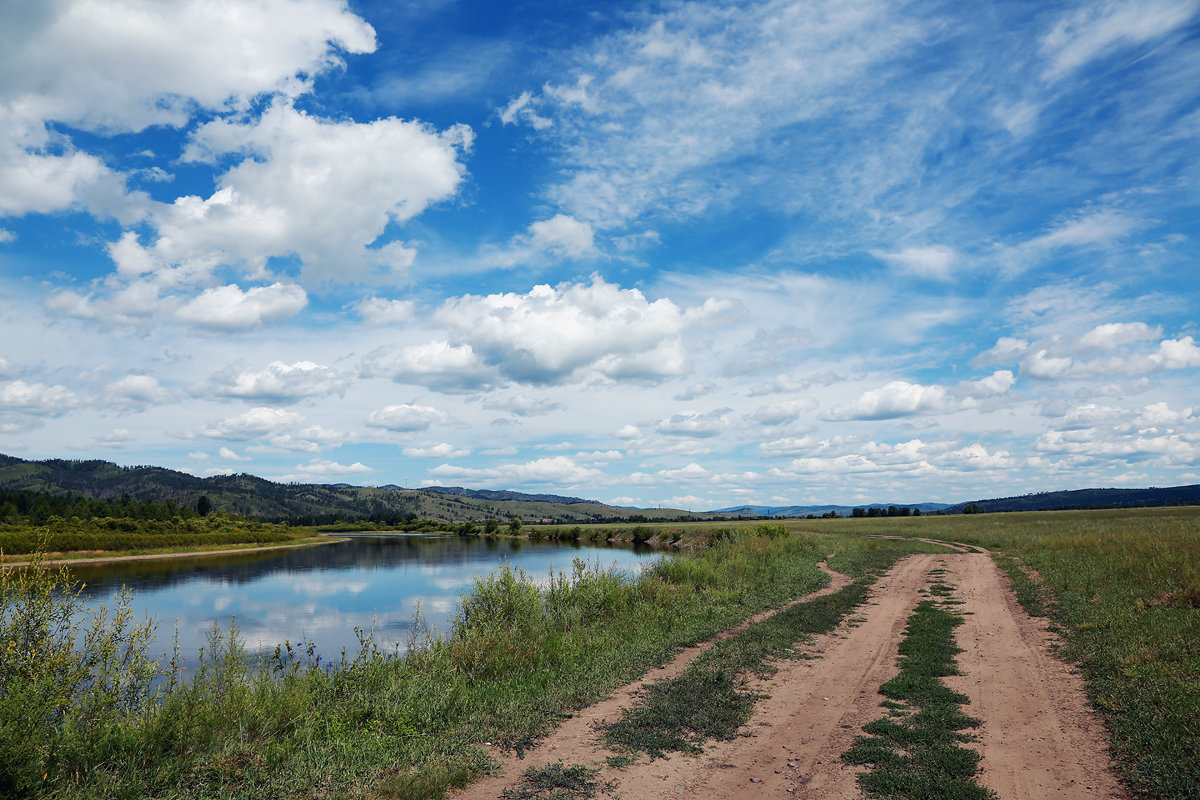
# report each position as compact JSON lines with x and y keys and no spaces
{"x":68,"y":679}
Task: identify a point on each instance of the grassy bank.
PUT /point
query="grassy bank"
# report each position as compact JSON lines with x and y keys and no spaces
{"x":75,"y":557}
{"x":521,"y":655}
{"x":126,"y":536}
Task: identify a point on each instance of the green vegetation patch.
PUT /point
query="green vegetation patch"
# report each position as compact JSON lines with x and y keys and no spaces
{"x":523,"y":654}
{"x":1116,"y":584}
{"x":558,"y":782}
{"x":916,"y":751}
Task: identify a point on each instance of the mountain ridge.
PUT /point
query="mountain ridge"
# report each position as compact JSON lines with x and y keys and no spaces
{"x":254,"y":496}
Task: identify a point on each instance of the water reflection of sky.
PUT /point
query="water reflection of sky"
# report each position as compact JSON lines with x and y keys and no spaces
{"x":323,"y":593}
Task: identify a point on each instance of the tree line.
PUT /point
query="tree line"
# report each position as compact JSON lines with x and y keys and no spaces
{"x":29,"y":507}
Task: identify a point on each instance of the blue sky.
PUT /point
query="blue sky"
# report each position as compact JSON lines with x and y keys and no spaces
{"x":683,"y":254}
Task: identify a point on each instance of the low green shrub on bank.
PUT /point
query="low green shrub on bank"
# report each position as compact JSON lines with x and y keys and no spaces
{"x":520,"y":656}
{"x":109,"y":534}
{"x":69,"y":682}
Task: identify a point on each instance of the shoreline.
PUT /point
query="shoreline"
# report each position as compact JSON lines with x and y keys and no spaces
{"x":329,"y":539}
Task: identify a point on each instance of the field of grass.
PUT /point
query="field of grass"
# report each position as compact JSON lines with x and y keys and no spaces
{"x":1122,"y":586}
{"x":521,"y":655}
{"x":138,"y":536}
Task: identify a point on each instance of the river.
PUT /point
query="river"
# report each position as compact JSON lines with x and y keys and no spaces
{"x":321,"y":594}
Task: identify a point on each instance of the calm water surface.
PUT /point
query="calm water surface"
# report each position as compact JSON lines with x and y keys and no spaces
{"x":322,"y":593}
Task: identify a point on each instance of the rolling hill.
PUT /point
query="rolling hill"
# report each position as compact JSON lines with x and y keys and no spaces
{"x":257,"y":497}
{"x":321,"y":503}
{"x":1090,"y":498}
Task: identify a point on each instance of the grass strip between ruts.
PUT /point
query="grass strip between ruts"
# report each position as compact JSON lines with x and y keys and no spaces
{"x":916,"y":751}
{"x":558,"y":782}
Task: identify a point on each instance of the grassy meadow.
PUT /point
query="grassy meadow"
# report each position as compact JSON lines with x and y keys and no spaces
{"x":1122,"y":586}
{"x":521,"y":655}
{"x":83,"y":712}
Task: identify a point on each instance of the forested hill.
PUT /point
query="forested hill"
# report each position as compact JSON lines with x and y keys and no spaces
{"x":490,"y":494}
{"x":1090,"y":498}
{"x":306,"y":503}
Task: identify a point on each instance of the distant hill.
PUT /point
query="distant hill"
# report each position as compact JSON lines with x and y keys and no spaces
{"x":489,"y":494}
{"x":310,"y":503}
{"x":804,"y":511}
{"x":321,"y":503}
{"x":1090,"y":498}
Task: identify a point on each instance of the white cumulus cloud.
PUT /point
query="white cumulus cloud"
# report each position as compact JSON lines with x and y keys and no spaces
{"x":406,"y":417}
{"x":550,"y":335}
{"x":378,"y":311}
{"x":124,"y":65}
{"x":228,"y":308}
{"x":895,"y":399}
{"x":37,"y":398}
{"x":559,"y":471}
{"x":441,"y":450}
{"x":278,"y":382}
{"x":288,"y":196}
{"x":135,"y":391}
{"x":252,"y":424}
{"x":563,"y":234}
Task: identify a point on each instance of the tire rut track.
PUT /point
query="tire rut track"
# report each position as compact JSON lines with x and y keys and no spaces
{"x":575,"y":740}
{"x":1038,"y":738}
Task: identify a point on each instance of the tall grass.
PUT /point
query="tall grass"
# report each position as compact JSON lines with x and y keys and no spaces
{"x":521,"y":655}
{"x":127,"y":534}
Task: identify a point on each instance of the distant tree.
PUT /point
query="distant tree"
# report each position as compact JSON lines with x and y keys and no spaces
{"x":858,"y":512}
{"x":971,"y":508}
{"x":514,"y":525}
{"x":204,"y":506}
{"x":916,"y":511}
{"x":491,"y":526}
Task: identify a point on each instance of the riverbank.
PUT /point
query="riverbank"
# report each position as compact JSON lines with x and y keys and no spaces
{"x":104,"y":557}
{"x":522,"y":655}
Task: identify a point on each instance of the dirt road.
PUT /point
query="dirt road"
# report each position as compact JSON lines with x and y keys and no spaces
{"x":1038,"y":739}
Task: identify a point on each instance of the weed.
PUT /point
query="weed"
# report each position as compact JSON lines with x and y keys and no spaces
{"x":557,"y":782}
{"x":919,"y":755}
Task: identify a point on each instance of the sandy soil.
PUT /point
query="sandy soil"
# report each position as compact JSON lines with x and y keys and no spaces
{"x":1038,"y":739}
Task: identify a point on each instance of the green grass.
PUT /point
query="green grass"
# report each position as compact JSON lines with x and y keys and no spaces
{"x":558,"y":782}
{"x":129,"y":536}
{"x":521,"y":656}
{"x":1122,"y":587}
{"x":916,"y":752}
